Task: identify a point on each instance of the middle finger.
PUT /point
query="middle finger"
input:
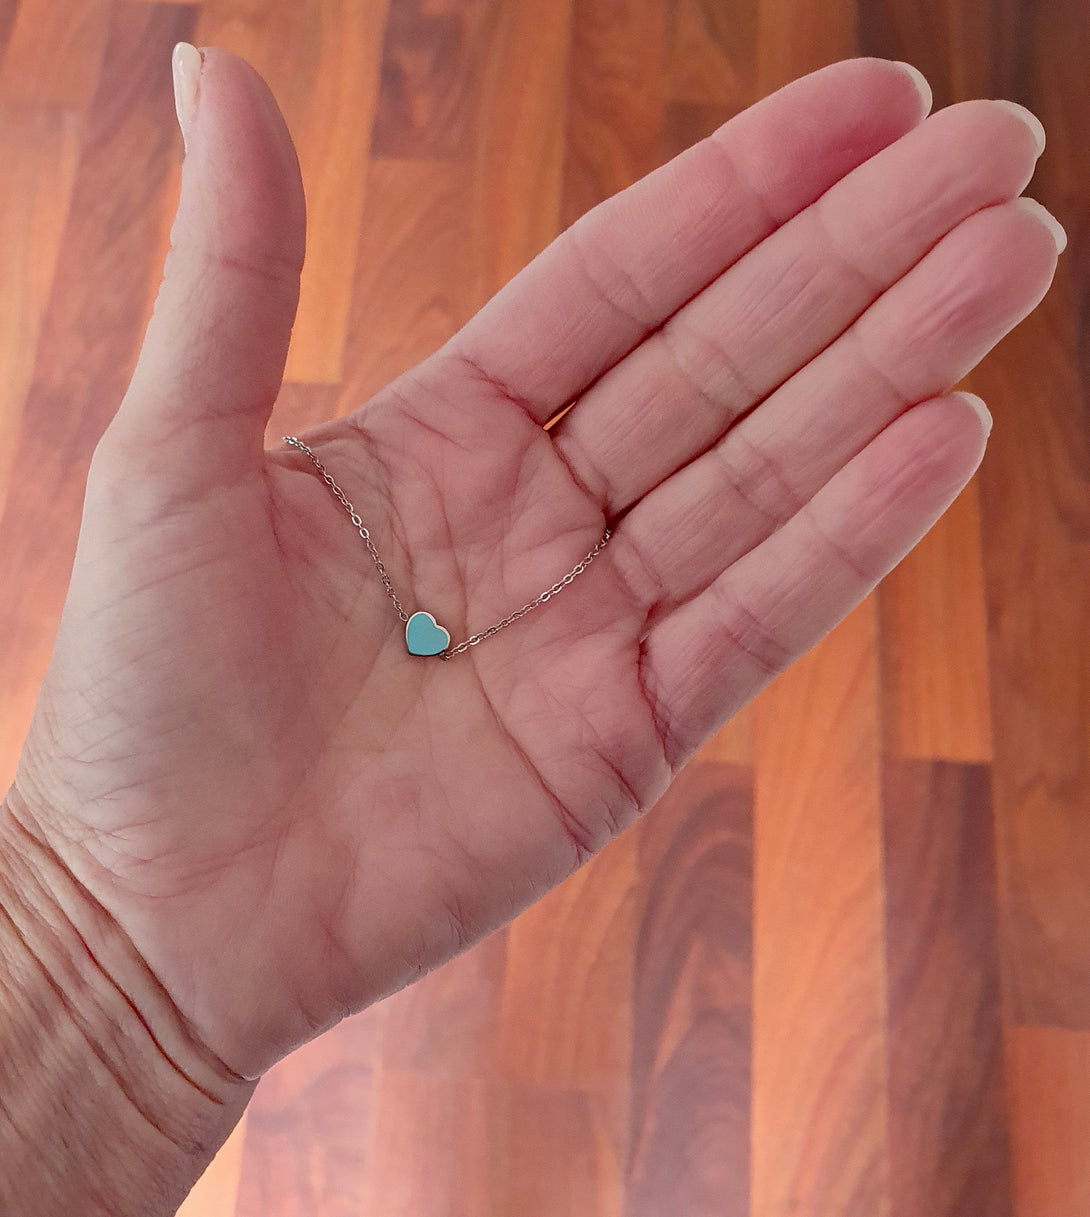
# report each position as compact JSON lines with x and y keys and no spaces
{"x":789,"y":298}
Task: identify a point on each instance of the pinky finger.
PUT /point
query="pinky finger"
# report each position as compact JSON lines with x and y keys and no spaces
{"x":710,"y":656}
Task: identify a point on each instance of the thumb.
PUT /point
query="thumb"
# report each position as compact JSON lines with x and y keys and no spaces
{"x":214,"y":352}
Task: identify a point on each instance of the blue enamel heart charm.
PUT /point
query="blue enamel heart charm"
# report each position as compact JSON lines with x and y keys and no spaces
{"x":423,"y":636}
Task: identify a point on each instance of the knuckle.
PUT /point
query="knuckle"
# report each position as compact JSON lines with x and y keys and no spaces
{"x":741,"y":630}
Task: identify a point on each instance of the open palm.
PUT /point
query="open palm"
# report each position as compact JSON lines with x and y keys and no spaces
{"x":290,"y":815}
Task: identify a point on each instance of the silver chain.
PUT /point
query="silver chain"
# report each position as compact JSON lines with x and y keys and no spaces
{"x":450,"y":652}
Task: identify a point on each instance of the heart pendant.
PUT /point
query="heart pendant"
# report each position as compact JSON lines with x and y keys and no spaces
{"x":423,"y":636}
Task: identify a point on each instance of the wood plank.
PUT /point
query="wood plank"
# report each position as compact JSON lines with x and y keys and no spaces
{"x":8,"y":9}
{"x":1037,"y":560}
{"x":819,"y":1061}
{"x":39,"y":150}
{"x":309,"y":1126}
{"x":710,"y":53}
{"x":1035,"y":530}
{"x":88,"y":340}
{"x":685,"y":123}
{"x":692,"y":1004}
{"x":948,"y":1136}
{"x":565,"y":1013}
{"x":935,"y":686}
{"x":732,"y":744}
{"x":793,"y":39}
{"x":518,"y":155}
{"x":431,"y":69}
{"x":616,"y":99}
{"x":311,"y":1155}
{"x":1049,"y":1083}
{"x":431,"y":1150}
{"x":964,"y":50}
{"x":553,"y":1152}
{"x":414,"y":279}
{"x":1038,"y":537}
{"x":54,"y":53}
{"x":439,"y":237}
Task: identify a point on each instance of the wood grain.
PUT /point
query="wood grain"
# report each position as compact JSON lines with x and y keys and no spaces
{"x":415,"y":274}
{"x":39,"y":149}
{"x":1049,"y":1097}
{"x":819,"y":999}
{"x":88,"y":334}
{"x":311,"y":1123}
{"x":617,"y":86}
{"x":567,"y":996}
{"x":54,"y":55}
{"x":936,"y":692}
{"x":430,"y":73}
{"x":1034,"y":489}
{"x":843,"y":968}
{"x":689,"y":1135}
{"x":519,"y":148}
{"x":948,"y":1135}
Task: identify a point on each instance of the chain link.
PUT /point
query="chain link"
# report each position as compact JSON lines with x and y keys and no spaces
{"x":450,"y":652}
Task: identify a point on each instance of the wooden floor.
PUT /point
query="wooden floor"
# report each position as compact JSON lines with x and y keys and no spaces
{"x":843,"y":970}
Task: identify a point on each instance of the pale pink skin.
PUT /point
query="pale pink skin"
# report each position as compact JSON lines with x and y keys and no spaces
{"x":289,"y":815}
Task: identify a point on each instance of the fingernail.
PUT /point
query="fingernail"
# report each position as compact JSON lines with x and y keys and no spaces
{"x":978,"y":405}
{"x":187,"y":62}
{"x":920,"y":81}
{"x":1028,"y":117}
{"x":1046,"y":218}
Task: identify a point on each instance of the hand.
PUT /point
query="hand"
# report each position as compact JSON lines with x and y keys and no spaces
{"x":232,"y":751}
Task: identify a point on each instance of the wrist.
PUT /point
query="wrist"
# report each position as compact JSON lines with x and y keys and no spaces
{"x":108,"y":1101}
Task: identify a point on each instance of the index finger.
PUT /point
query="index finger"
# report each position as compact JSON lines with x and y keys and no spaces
{"x":616,"y":274}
